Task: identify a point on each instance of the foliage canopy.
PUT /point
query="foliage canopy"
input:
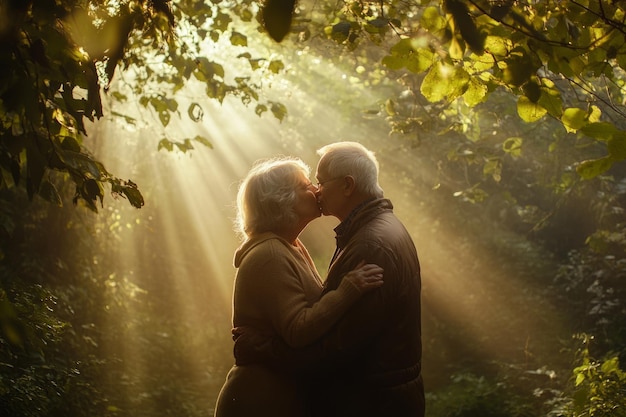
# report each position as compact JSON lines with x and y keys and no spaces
{"x":562,"y":60}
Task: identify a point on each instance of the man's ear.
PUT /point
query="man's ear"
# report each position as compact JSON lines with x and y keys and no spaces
{"x":349,"y":185}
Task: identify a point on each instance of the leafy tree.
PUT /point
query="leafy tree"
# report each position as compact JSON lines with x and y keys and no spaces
{"x":69,"y":310}
{"x":562,"y":60}
{"x":60,"y":57}
{"x":598,"y":387}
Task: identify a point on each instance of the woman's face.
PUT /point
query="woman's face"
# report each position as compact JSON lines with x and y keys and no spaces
{"x":306,"y":206}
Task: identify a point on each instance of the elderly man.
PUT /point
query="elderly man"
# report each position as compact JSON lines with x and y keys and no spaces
{"x":381,"y":334}
{"x":369,"y":363}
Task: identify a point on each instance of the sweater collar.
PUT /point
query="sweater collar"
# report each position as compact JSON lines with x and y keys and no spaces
{"x":256,"y":240}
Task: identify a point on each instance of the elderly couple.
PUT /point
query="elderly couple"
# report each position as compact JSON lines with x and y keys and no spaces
{"x":304,"y":347}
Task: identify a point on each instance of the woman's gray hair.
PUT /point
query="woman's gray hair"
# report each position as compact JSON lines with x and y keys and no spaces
{"x":354,"y":159}
{"x":266,"y":197}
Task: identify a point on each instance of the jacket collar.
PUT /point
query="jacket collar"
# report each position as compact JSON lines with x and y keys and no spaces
{"x":359,"y":216}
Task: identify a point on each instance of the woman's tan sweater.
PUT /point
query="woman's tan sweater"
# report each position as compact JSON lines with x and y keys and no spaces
{"x":277,"y":290}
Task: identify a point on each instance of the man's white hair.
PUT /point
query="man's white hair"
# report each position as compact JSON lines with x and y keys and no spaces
{"x":354,"y":159}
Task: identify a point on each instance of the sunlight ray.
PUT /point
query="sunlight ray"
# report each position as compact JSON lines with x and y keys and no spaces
{"x":190,"y":196}
{"x":465,"y":282}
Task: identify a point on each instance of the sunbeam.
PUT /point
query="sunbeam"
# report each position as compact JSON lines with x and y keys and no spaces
{"x":179,"y":247}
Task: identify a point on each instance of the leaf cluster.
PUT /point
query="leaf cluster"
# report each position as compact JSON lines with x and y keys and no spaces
{"x":59,"y":63}
{"x":563,"y":61}
{"x":599,"y":386}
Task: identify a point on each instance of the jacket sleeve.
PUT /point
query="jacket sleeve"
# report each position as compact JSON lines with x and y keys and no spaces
{"x":368,"y":317}
{"x":281,"y":293}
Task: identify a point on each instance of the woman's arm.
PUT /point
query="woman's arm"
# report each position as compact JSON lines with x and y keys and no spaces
{"x":279,"y":286}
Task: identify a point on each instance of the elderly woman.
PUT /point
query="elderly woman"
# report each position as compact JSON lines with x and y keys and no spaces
{"x":277,"y":287}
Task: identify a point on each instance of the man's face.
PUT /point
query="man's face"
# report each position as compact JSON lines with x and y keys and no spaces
{"x":329,"y":191}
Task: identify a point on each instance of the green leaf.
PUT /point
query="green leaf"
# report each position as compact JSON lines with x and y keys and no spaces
{"x":580,"y":377}
{"x":340,"y":31}
{"x":134,"y":196}
{"x":390,"y":107}
{"x":238,"y":39}
{"x":164,"y":117}
{"x":276,"y":66}
{"x":84,"y":165}
{"x":482,"y":63}
{"x":49,"y":192}
{"x":551,"y":99}
{"x":518,"y":70}
{"x":92,"y":190}
{"x":532,"y":90}
{"x":617,"y":146}
{"x":513,"y":146}
{"x":207,"y":70}
{"x":476,"y":93}
{"x":204,"y":141}
{"x":158,"y":104}
{"x":420,"y":60}
{"x":255,"y":63}
{"x":279,"y":111}
{"x":165,"y":144}
{"x":529,"y":111}
{"x":592,"y":168}
{"x":221,"y":22}
{"x":119,"y":96}
{"x":594,"y":114}
{"x":378,"y":25}
{"x":432,"y":20}
{"x":129,"y":190}
{"x":277,"y":16}
{"x":410,"y":54}
{"x":610,"y":366}
{"x":493,"y":167}
{"x":444,"y":82}
{"x":574,"y":118}
{"x":394,"y":62}
{"x":216,"y":89}
{"x":599,"y":130}
{"x":403,"y":48}
{"x":184,"y":146}
{"x":466,"y":25}
{"x":498,"y":46}
{"x":172,"y":104}
{"x":260,"y":109}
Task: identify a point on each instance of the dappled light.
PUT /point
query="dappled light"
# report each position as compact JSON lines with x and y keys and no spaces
{"x":180,"y":245}
{"x":127,"y":126}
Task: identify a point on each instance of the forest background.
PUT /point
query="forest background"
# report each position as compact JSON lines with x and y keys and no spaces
{"x":126,"y":126}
